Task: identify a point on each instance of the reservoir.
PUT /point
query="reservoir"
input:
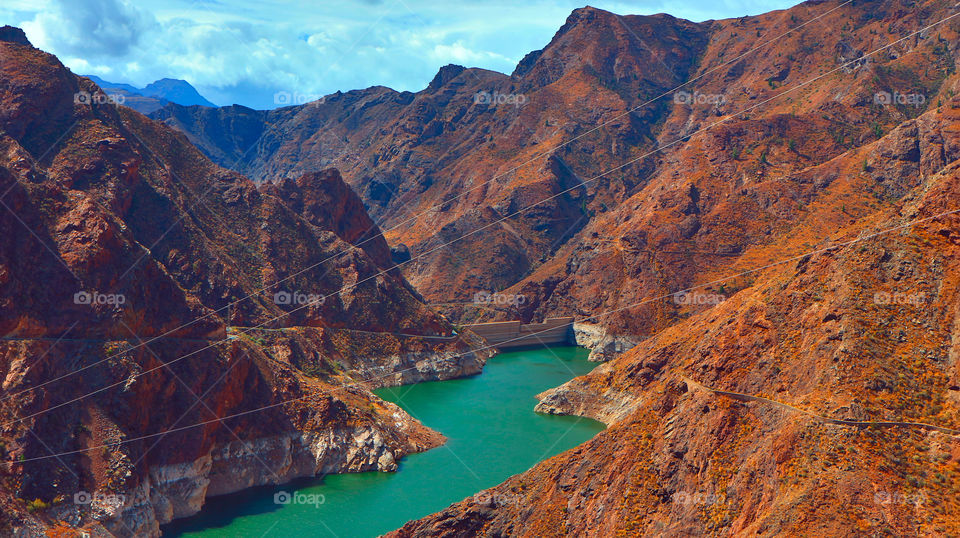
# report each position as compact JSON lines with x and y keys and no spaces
{"x":493,"y":433}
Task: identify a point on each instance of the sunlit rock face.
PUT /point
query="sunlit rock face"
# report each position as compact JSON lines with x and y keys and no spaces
{"x":135,"y":278}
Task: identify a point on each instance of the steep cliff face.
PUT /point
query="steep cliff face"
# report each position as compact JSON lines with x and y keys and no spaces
{"x":820,"y":398}
{"x":729,"y":182}
{"x":408,"y":152}
{"x":326,"y":202}
{"x":807,"y":383}
{"x":170,"y":331}
{"x":582,"y":180}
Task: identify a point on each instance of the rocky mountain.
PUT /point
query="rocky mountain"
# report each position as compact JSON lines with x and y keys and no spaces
{"x":408,"y":152}
{"x":822,"y":399}
{"x":804,"y":379}
{"x":171,"y":331}
{"x":579,"y":181}
{"x":175,"y":91}
{"x":796,"y":372}
{"x":746,"y":173}
{"x":155,"y":95}
{"x":763,"y":208}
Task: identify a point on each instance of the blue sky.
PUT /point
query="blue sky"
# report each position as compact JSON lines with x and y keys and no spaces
{"x":246,"y":51}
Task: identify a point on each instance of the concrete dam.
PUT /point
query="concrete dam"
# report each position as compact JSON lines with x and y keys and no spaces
{"x":513,"y":334}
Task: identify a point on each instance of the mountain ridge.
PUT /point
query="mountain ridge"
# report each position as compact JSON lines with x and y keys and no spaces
{"x":155,"y":95}
{"x":435,"y":165}
{"x":145,"y":289}
{"x":784,"y":230}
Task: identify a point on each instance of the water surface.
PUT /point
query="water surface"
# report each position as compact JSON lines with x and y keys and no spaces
{"x":493,"y":433}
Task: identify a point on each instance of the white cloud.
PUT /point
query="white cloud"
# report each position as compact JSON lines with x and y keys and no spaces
{"x":250,"y":49}
{"x":90,"y":28}
{"x":459,"y":53}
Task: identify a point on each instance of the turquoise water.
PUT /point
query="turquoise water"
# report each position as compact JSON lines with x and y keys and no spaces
{"x":493,"y":433}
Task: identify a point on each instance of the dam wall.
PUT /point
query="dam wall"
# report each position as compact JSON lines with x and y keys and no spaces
{"x":513,"y":334}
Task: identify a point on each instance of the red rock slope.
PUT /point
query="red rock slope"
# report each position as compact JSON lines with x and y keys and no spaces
{"x":840,"y":406}
{"x":630,"y":200}
{"x":125,"y":256}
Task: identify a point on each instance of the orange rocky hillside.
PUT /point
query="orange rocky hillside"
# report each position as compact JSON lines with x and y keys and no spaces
{"x":583,"y":180}
{"x":147,"y":293}
{"x":778,"y":166}
{"x":821,"y":398}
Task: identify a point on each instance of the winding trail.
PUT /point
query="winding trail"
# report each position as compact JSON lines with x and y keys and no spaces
{"x":859,"y":423}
